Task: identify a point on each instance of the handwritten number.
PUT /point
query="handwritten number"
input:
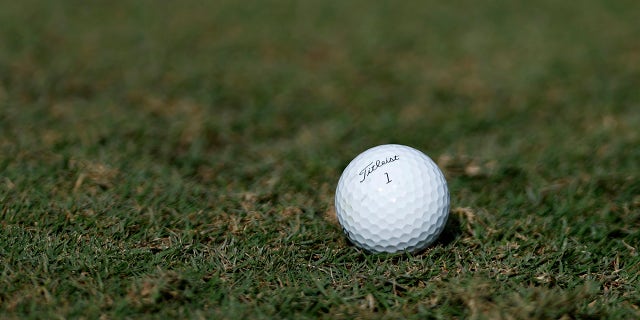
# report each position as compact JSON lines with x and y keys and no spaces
{"x":388,"y":180}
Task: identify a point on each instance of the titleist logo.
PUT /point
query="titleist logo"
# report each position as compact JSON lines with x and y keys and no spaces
{"x":374,"y":165}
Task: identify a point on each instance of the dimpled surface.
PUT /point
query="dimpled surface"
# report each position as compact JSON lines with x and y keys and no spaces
{"x":392,"y":198}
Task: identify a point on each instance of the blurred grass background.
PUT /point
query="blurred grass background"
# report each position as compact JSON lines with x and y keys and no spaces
{"x":179,"y":158}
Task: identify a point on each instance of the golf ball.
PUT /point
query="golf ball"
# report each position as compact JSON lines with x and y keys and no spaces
{"x":392,"y":198}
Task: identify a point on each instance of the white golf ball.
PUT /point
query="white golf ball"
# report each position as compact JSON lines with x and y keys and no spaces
{"x":392,"y":198}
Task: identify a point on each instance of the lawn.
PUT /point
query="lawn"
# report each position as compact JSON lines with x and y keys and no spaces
{"x":179,"y":159}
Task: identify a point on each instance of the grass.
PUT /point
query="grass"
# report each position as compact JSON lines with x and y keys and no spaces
{"x":179,"y":158}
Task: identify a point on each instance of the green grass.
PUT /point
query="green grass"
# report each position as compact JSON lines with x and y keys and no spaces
{"x":179,"y":158}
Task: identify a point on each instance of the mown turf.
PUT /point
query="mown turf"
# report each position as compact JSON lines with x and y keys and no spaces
{"x":179,"y":158}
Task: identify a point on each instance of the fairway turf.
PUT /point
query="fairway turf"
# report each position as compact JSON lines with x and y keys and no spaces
{"x":179,"y":159}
